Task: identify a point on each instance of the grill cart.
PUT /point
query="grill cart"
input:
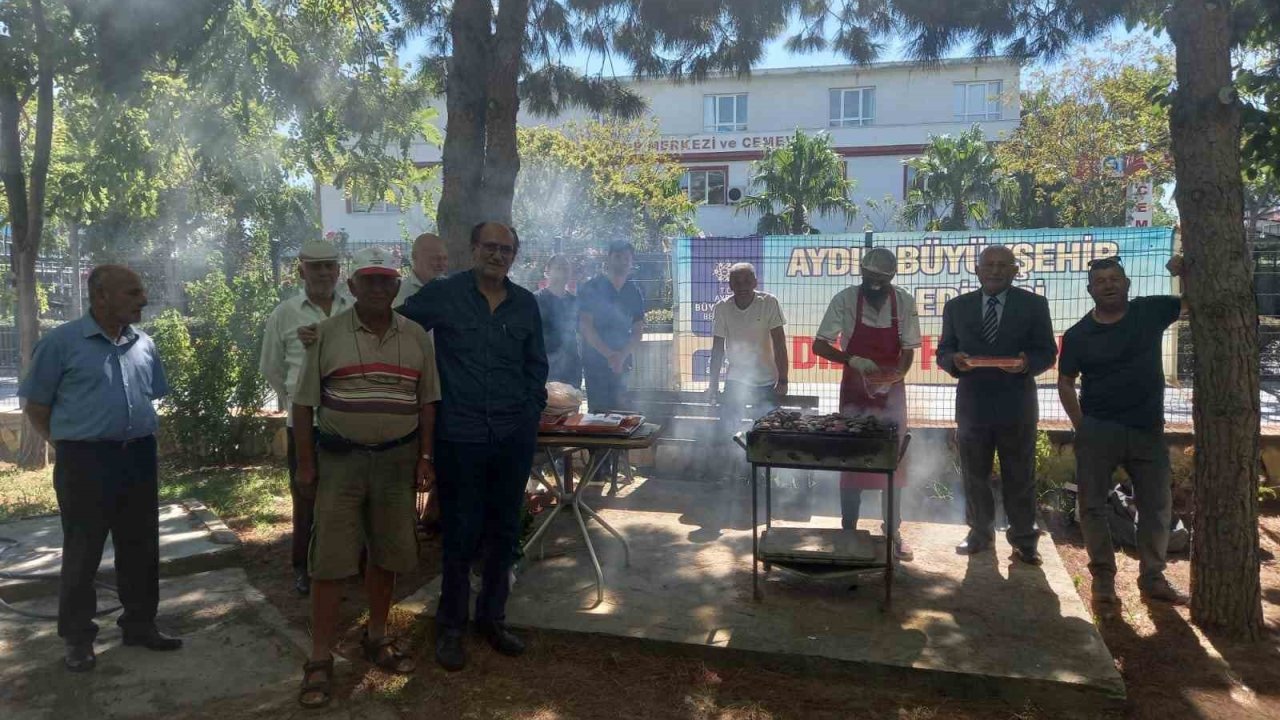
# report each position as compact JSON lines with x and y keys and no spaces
{"x":788,"y":440}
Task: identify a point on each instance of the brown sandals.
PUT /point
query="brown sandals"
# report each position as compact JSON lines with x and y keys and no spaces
{"x":384,"y":653}
{"x":323,"y":687}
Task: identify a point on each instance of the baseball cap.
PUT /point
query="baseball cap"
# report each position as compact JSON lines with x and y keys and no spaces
{"x":317,"y":250}
{"x":881,"y":260}
{"x":374,"y":261}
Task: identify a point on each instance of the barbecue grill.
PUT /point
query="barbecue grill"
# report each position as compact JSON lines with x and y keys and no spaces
{"x":877,"y":452}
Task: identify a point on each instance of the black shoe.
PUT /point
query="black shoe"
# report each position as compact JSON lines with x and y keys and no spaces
{"x":152,"y":639}
{"x":1030,"y":556}
{"x":302,"y":582}
{"x":450,"y":652}
{"x":80,"y":657}
{"x":501,"y":639}
{"x":973,"y":546}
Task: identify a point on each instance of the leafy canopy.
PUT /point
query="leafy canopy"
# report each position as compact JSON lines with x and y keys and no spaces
{"x":956,"y":181}
{"x":794,"y":182}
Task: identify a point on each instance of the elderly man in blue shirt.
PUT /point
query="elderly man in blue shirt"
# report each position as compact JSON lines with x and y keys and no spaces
{"x":89,"y":392}
{"x":493,"y":376}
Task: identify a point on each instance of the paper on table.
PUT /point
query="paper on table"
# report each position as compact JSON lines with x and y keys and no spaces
{"x":601,"y":420}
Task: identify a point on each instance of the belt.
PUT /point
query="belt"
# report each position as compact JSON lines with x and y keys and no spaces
{"x":341,"y":445}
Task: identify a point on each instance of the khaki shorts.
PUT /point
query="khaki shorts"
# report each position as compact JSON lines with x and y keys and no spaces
{"x":364,"y":499}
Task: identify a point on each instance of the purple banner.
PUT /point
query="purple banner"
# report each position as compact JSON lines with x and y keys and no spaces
{"x":711,"y":259}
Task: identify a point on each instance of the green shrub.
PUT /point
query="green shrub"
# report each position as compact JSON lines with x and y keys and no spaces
{"x":658,"y":316}
{"x":211,"y":359}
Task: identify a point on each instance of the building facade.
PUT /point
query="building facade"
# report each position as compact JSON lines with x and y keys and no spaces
{"x":877,"y":116}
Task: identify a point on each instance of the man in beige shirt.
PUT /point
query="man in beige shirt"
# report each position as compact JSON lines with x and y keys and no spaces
{"x":370,"y":385}
{"x":289,"y":330}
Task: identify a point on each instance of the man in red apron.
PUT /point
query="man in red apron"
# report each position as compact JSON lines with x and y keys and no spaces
{"x":880,"y":330}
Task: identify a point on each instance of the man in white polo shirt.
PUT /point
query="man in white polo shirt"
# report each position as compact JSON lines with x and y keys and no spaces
{"x":290,"y":329}
{"x":748,"y":332}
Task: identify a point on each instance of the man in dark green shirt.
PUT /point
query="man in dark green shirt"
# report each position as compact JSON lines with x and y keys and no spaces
{"x":1119,"y":421}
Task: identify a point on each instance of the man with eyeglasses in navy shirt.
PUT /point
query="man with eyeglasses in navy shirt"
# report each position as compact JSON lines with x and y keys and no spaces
{"x":1119,"y":421}
{"x":493,"y":377}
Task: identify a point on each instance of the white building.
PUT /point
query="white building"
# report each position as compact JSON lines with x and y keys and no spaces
{"x":877,"y":116}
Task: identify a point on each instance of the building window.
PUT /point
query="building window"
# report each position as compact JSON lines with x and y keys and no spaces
{"x":851,"y":107}
{"x":978,"y":100}
{"x":371,"y":207}
{"x":724,"y":113}
{"x":705,"y":186}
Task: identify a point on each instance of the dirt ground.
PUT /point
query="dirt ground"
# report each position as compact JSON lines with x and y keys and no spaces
{"x":1171,"y":670}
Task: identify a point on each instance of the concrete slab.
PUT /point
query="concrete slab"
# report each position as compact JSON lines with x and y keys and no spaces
{"x":979,"y":625}
{"x":191,"y":538}
{"x":237,"y":645}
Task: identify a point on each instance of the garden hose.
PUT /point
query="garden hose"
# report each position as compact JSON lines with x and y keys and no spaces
{"x":7,"y":544}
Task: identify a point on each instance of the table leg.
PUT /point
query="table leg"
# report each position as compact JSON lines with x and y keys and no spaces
{"x":768,"y":497}
{"x":626,"y":547}
{"x":891,"y":529}
{"x":755,"y":537}
{"x":559,"y":492}
{"x":595,"y":562}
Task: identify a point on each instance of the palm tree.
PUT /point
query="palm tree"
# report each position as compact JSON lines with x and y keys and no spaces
{"x":956,"y":180}
{"x":796,"y":180}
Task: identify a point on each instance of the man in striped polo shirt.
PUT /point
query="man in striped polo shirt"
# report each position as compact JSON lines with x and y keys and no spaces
{"x":370,"y":379}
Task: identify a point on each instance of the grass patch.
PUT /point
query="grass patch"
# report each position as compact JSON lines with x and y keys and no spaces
{"x":26,"y":493}
{"x":254,"y":495}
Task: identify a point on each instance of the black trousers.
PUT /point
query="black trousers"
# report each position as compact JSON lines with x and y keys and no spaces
{"x":606,"y":389}
{"x":304,"y":510}
{"x":1015,"y":443}
{"x":481,"y":488}
{"x":107,"y":487}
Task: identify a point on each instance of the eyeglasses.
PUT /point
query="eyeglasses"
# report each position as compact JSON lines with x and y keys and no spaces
{"x":998,"y":265}
{"x":498,"y":249}
{"x":1106,"y":262}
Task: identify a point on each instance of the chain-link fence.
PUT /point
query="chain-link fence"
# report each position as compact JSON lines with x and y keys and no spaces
{"x":806,"y":272}
{"x":681,"y":287}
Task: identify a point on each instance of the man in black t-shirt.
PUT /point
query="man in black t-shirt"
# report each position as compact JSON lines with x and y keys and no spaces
{"x":1119,"y":421}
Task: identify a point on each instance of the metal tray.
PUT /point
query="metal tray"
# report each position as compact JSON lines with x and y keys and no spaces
{"x":822,"y":451}
{"x":583,"y":431}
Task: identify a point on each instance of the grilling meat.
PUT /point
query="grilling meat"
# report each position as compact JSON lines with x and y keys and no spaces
{"x":792,"y":421}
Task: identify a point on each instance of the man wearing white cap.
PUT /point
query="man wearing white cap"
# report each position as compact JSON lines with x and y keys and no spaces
{"x":370,"y":384}
{"x":289,"y":330}
{"x":880,"y":330}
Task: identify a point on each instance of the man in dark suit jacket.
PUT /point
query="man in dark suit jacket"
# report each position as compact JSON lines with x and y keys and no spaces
{"x":996,"y":407}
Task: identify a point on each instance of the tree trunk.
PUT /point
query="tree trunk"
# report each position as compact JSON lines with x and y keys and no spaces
{"x":502,"y":154}
{"x":1204,"y":123}
{"x":235,"y":246}
{"x":26,"y":241}
{"x":463,"y":155}
{"x":77,"y":287}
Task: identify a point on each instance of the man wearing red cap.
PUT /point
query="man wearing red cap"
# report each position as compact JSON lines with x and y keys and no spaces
{"x":370,"y":382}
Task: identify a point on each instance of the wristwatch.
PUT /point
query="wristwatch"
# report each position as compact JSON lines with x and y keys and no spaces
{"x":427,"y":457}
